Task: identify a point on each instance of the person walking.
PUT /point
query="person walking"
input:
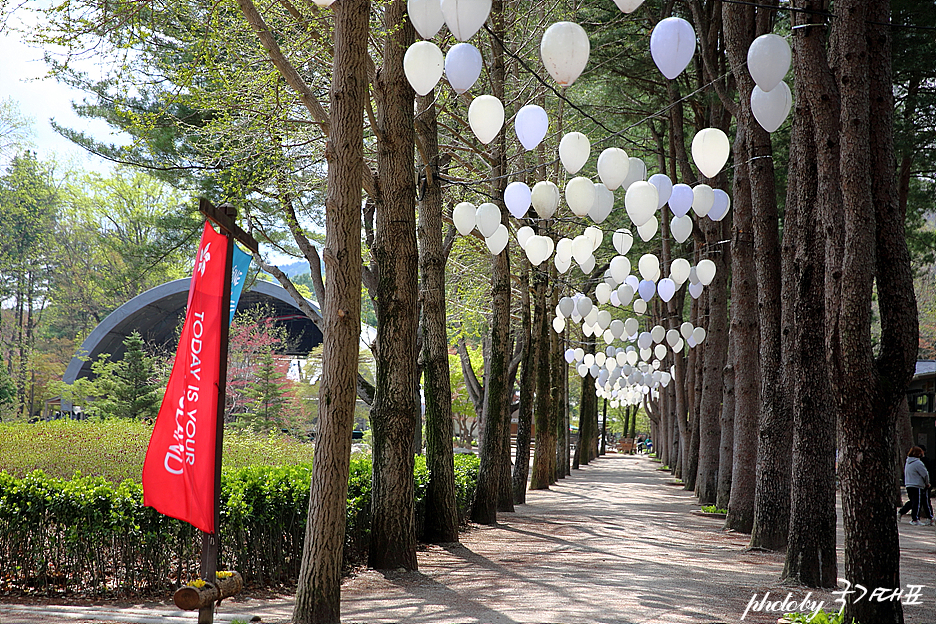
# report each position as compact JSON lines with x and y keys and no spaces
{"x":917,"y":481}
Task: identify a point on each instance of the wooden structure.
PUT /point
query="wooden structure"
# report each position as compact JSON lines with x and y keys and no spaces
{"x":190,"y":597}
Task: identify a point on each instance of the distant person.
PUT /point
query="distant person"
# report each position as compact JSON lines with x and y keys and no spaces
{"x":649,"y":445}
{"x":917,"y":482}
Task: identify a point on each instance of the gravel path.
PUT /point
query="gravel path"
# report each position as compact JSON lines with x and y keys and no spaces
{"x":612,"y":543}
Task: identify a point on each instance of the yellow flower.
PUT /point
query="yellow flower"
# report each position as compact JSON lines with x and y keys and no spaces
{"x":196,"y":583}
{"x":224,"y":574}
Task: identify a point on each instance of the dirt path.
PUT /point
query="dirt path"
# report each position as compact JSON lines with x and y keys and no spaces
{"x":612,"y":543}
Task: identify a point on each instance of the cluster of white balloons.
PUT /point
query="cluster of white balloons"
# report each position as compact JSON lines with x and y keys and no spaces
{"x":768,"y":61}
{"x":486,"y":218}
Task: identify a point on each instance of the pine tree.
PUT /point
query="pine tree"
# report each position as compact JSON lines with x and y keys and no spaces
{"x":127,"y":387}
{"x":266,"y":399}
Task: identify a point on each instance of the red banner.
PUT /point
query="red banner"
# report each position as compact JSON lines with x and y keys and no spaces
{"x":179,"y":471}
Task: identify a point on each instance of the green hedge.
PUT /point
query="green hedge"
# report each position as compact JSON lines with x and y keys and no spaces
{"x":86,"y":534}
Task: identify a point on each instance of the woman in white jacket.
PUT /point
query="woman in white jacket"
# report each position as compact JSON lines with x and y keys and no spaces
{"x":917,"y":481}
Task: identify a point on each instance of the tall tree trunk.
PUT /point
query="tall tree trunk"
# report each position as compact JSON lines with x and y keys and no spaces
{"x":588,"y":408}
{"x":494,"y":464}
{"x":755,"y":276}
{"x":396,"y":261}
{"x":318,"y":595}
{"x":441,"y":524}
{"x":716,"y":343}
{"x":728,"y":415}
{"x":869,"y":390}
{"x":604,"y":427}
{"x":544,"y":453}
{"x":559,"y":374}
{"x":521,"y":470}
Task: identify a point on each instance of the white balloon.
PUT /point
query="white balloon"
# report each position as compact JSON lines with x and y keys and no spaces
{"x":562,"y":264}
{"x":564,"y":248}
{"x":695,"y":290}
{"x":558,"y":324}
{"x":608,"y":336}
{"x":486,"y":117}
{"x":614,"y":299}
{"x":632,"y":355}
{"x":463,"y":216}
{"x":531,"y":125}
{"x":617,"y":328}
{"x":666,"y":288}
{"x":580,"y":195}
{"x":678,"y":347}
{"x":768,"y":61}
{"x":644,"y":340}
{"x":686,"y":329}
{"x":323,"y":3}
{"x":588,"y":266}
{"x":465,"y":17}
{"x":574,"y":149}
{"x":680,"y":200}
{"x":698,"y":334}
{"x":604,"y":202}
{"x":497,"y":241}
{"x":592,"y":317}
{"x":628,"y":6}
{"x":659,"y":352}
{"x":646,"y":290}
{"x":648,"y":229}
{"x":681,"y":228}
{"x":703,"y":198}
{"x":545,"y":198}
{"x":602,"y":293}
{"x":579,"y":354}
{"x":582,"y":370}
{"x":426,"y":16}
{"x":672,"y":44}
{"x":582,"y":248}
{"x":710,"y":149}
{"x":463,"y":66}
{"x":679,"y":270}
{"x":633,"y":282}
{"x":622,"y":240}
{"x":658,"y":333}
{"x":569,"y":355}
{"x":566,"y":306}
{"x":517,"y":196}
{"x":720,"y":205}
{"x":584,"y":306}
{"x":422,"y":65}
{"x":706,"y":271}
{"x":523,"y":235}
{"x":640,"y":202}
{"x":648,"y":266}
{"x":564,"y":50}
{"x":488,"y":218}
{"x":625,"y":293}
{"x":595,"y":235}
{"x":600,"y":358}
{"x":664,"y":187}
{"x":620,"y":268}
{"x":613,"y":165}
{"x":672,"y":338}
{"x":604,"y":319}
{"x":637,"y":171}
{"x":771,"y":108}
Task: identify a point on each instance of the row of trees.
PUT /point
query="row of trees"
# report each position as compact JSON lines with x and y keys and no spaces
{"x":235,"y":109}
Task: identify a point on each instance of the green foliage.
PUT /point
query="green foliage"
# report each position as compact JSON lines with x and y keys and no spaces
{"x":713,"y":509}
{"x":114,"y":449}
{"x":128,"y":388}
{"x":266,"y":401}
{"x":89,"y":534}
{"x":820,"y":617}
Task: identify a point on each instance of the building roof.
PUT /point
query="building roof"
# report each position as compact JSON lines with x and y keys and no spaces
{"x":157,"y":313}
{"x":925,"y":368}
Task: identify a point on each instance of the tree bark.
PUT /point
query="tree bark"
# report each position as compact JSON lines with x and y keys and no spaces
{"x":870,"y":390}
{"x":494,"y":464}
{"x":441,"y":524}
{"x":318,"y":596}
{"x":716,"y":343}
{"x":588,"y":408}
{"x":544,"y":453}
{"x":521,"y":469}
{"x":396,"y":261}
{"x":728,"y":415}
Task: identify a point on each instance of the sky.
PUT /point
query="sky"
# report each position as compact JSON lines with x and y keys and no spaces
{"x":22,"y":78}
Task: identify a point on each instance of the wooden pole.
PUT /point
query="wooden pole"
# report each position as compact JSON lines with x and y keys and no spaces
{"x":224,"y":217}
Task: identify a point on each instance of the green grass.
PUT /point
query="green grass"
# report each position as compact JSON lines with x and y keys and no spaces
{"x":115,"y":449}
{"x":713,"y":509}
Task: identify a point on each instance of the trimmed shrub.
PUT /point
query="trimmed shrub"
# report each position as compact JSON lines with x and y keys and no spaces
{"x":89,"y":535}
